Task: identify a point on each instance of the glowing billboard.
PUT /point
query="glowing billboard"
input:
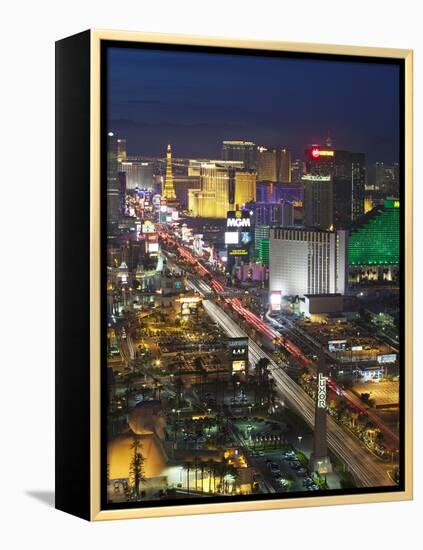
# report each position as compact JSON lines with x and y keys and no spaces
{"x":231,"y":237}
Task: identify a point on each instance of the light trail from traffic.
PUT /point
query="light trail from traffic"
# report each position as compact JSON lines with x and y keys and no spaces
{"x":368,"y":470}
{"x":266,"y":330}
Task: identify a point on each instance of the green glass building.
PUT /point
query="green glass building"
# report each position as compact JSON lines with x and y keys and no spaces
{"x":260,"y":232}
{"x":375,"y":240}
{"x":264,"y":251}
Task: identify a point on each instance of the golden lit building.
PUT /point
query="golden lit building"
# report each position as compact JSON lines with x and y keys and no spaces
{"x":222,"y":188}
{"x":245,"y":187}
{"x":368,"y":204}
{"x":202,"y":204}
{"x":147,"y":424}
{"x":267,"y":164}
{"x":121,"y":149}
{"x":284,"y":165}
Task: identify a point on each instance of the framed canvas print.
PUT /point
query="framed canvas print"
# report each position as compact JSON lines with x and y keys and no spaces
{"x":234,"y":259}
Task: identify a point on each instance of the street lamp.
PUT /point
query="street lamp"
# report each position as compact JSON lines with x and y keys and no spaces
{"x":392,"y":456}
{"x":300,"y":437}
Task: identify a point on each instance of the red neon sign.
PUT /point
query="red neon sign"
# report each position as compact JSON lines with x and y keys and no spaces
{"x":315,"y":152}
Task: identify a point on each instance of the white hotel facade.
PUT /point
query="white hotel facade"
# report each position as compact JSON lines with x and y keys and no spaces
{"x":307,"y":261}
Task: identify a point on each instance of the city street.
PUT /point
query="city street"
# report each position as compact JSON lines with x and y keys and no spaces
{"x":366,"y":468}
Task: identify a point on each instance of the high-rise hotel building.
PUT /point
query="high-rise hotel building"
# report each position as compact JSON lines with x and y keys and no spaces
{"x":222,"y":188}
{"x":239,"y":150}
{"x":113,"y":196}
{"x":267,"y":164}
{"x":139,"y":174}
{"x":272,"y":213}
{"x":284,"y":165}
{"x":375,"y":243}
{"x":307,"y":261}
{"x":194,"y":165}
{"x":334,"y":186}
{"x":349,"y":181}
{"x":318,"y":201}
{"x":273,"y":165}
{"x":265,"y":215}
{"x":121,"y":149}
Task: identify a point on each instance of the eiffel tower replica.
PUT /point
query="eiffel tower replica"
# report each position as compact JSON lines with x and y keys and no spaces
{"x":168,"y":191}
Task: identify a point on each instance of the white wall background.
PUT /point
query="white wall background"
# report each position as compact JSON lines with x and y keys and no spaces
{"x":27,"y":35}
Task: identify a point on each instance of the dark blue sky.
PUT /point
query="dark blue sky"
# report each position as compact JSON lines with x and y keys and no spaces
{"x":196,"y":100}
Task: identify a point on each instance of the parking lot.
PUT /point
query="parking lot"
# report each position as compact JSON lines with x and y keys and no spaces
{"x":385,"y":392}
{"x":359,"y":346}
{"x":287,"y":471}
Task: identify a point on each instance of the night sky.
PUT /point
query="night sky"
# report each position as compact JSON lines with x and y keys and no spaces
{"x":196,"y":100}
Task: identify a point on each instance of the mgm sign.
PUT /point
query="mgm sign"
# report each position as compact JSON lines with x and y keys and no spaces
{"x":238,"y":219}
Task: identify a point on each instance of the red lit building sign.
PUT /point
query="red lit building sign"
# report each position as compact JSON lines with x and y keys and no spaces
{"x":316,"y":152}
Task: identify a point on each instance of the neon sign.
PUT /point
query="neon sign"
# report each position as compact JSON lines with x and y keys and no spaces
{"x":316,"y":153}
{"x":321,"y":391}
{"x":238,"y":252}
{"x":239,"y":366}
{"x":238,"y":222}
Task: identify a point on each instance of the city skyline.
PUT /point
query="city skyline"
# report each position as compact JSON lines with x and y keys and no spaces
{"x":271,"y":101}
{"x":253,"y":317}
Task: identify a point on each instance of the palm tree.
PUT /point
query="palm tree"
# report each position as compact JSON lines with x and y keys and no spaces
{"x":211,"y":465}
{"x":210,"y":424}
{"x":136,"y":467}
{"x":229,"y":471}
{"x":188,"y":466}
{"x":179,"y":386}
{"x":202,"y":476}
{"x":222,"y":468}
{"x":262,"y":368}
{"x":262,"y":380}
{"x":196,"y":470}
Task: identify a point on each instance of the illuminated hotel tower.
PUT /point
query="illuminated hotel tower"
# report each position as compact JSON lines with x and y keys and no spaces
{"x":223,"y":188}
{"x":113,"y":198}
{"x":168,"y":189}
{"x":319,"y":459}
